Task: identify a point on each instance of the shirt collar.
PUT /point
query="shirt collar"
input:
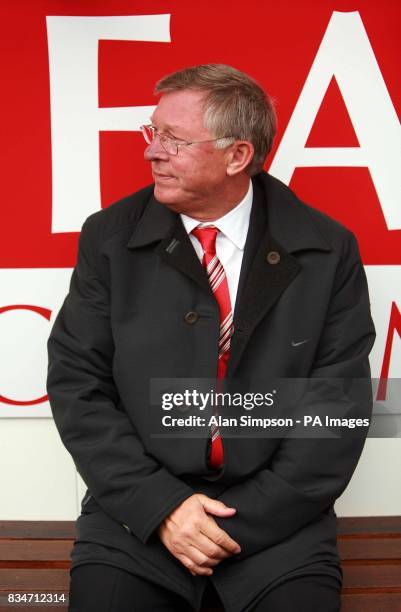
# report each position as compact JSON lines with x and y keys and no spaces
{"x":234,"y":224}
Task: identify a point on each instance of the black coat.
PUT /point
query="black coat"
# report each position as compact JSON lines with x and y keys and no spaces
{"x":123,"y":323}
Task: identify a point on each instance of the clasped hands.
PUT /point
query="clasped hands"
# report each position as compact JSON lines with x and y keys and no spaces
{"x":192,"y":535}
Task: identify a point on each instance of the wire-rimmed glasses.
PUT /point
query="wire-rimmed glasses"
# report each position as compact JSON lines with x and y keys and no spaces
{"x":171,"y":145}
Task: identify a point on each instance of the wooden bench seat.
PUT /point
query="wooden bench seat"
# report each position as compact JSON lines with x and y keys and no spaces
{"x":34,"y":558}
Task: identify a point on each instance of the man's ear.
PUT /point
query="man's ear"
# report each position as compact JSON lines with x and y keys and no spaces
{"x":240,"y":155}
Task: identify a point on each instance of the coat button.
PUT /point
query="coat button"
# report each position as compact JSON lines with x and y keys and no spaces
{"x":273,"y":257}
{"x":191,"y":317}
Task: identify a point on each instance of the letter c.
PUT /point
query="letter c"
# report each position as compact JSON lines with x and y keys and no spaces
{"x":46,"y":313}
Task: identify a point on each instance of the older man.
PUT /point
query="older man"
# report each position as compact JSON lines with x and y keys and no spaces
{"x":215,"y":271}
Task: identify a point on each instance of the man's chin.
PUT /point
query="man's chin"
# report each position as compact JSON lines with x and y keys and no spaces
{"x":165,"y":194}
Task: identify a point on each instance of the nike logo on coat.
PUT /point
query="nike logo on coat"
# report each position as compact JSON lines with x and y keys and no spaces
{"x":298,"y":343}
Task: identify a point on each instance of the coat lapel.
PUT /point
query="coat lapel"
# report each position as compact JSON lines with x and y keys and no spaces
{"x":176,"y":249}
{"x":159,"y":224}
{"x":266,"y":271}
{"x":279,"y":227}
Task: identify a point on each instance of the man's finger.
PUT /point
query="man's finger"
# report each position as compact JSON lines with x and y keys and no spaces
{"x":213,"y":506}
{"x":199,"y":558}
{"x":210,"y":548}
{"x":220,"y":537}
{"x":196,"y":570}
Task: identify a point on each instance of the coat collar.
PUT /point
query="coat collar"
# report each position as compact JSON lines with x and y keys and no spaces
{"x":154,"y":225}
{"x":280,"y":226}
{"x":164,"y":228}
{"x":289,"y":221}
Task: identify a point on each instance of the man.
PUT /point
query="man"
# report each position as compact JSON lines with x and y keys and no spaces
{"x":215,"y":271}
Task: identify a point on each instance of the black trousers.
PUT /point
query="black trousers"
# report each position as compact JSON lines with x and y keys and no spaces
{"x":103,"y":588}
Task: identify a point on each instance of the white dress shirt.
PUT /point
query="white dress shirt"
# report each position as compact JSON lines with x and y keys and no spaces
{"x":230,"y":242}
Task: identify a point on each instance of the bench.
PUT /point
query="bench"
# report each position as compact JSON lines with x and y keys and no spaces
{"x":34,"y":558}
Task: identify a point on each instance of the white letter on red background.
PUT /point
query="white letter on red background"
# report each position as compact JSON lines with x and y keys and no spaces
{"x":76,"y":118}
{"x":345,"y":53}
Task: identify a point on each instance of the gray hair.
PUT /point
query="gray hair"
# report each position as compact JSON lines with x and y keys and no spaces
{"x":235,"y":106}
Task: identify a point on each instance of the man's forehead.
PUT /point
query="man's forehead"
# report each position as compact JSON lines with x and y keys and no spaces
{"x":177,"y":105}
{"x":170,"y":126}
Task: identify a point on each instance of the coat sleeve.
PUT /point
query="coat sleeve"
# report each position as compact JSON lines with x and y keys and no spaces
{"x":128,"y":484}
{"x":307,"y":475}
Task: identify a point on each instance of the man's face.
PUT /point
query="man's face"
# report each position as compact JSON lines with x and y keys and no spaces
{"x":194,"y":178}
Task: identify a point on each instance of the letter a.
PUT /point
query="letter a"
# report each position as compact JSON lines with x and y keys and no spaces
{"x":345,"y":53}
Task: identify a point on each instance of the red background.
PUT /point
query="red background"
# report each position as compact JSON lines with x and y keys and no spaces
{"x":274,"y":42}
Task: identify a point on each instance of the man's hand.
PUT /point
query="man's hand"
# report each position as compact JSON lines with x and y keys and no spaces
{"x":194,"y":537}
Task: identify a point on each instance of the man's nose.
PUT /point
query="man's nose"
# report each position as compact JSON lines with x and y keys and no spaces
{"x":155,"y":151}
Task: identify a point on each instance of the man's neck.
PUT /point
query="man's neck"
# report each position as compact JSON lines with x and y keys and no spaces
{"x":226,"y":202}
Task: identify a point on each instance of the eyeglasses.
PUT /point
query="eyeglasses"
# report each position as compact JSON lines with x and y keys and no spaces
{"x":170,"y":144}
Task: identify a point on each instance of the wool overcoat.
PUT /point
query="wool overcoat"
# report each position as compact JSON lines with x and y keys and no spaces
{"x":140,"y":309}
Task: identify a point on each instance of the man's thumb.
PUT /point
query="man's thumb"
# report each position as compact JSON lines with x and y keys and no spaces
{"x":218,"y":508}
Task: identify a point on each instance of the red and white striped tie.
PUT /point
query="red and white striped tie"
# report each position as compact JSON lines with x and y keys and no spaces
{"x":218,"y":282}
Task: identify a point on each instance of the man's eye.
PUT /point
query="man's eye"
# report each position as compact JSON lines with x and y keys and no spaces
{"x":177,"y":140}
